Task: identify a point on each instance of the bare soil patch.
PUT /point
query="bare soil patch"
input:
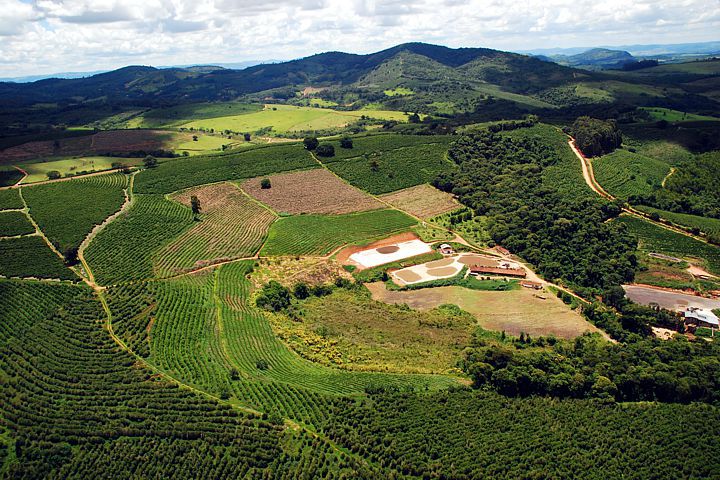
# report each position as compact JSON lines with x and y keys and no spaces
{"x":424,"y":201}
{"x":440,"y":263}
{"x":441,"y":272}
{"x":479,"y":260}
{"x":310,"y":191}
{"x":388,"y":249}
{"x":513,"y":311}
{"x":344,"y":255}
{"x":110,"y":141}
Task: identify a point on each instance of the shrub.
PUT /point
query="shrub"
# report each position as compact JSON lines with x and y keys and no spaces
{"x":310,"y":143}
{"x":265,"y":183}
{"x":325,"y":151}
{"x":346,"y":142}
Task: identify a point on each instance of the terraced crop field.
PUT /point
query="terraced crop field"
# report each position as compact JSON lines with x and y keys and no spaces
{"x":125,"y":248}
{"x":424,"y":201}
{"x":204,"y":327}
{"x":14,"y":223}
{"x":232,"y":226}
{"x":657,"y":239}
{"x":310,"y":191}
{"x":391,"y":170}
{"x":378,"y":143}
{"x":10,"y":199}
{"x":321,"y":234}
{"x":31,"y":257}
{"x":169,"y":177}
{"x":623,"y":173}
{"x":67,"y":211}
{"x":705,"y":224}
{"x":288,"y":118}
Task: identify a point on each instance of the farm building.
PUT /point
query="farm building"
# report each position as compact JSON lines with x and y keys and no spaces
{"x":530,"y":284}
{"x":510,"y":272}
{"x":446,"y":249}
{"x":701,"y":317}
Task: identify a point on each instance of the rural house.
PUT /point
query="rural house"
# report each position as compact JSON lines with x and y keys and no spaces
{"x":701,"y":317}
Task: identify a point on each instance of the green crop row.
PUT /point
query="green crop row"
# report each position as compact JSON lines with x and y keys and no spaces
{"x":10,"y":198}
{"x":320,"y":234}
{"x":390,"y":170}
{"x":14,"y":223}
{"x":67,"y":211}
{"x":653,"y":238}
{"x":31,"y":257}
{"x":168,"y":177}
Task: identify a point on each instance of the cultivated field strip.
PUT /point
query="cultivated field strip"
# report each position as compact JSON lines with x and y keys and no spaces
{"x":320,"y":234}
{"x":73,"y":396}
{"x":201,"y":327}
{"x":30,"y":257}
{"x":124,"y":249}
{"x":67,"y":211}
{"x":232,"y":226}
{"x":14,"y":223}
{"x":10,"y":199}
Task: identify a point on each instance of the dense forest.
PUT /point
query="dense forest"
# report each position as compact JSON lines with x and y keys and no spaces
{"x":565,"y":238}
{"x":595,"y":137}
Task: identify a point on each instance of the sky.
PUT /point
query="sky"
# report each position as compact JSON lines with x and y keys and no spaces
{"x":47,"y":36}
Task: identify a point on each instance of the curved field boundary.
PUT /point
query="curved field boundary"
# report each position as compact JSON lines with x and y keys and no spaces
{"x":232,"y":226}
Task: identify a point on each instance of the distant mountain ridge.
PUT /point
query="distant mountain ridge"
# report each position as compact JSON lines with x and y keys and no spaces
{"x":593,"y":59}
{"x":144,"y":85}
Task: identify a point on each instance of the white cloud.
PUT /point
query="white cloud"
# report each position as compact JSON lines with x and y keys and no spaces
{"x":45,"y":36}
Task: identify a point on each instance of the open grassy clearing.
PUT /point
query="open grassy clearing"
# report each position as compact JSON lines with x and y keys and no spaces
{"x":674,"y":116}
{"x":513,"y":311}
{"x":392,"y":170}
{"x":231,"y":226}
{"x":205,"y":326}
{"x":704,"y":224}
{"x":660,"y":240}
{"x":398,"y":91}
{"x":31,"y":257}
{"x":310,"y":191}
{"x":424,"y":201}
{"x":289,"y":271}
{"x":376,"y":144}
{"x":350,"y":330}
{"x":10,"y":199}
{"x":15,"y":223}
{"x":180,"y":114}
{"x":321,"y":234}
{"x":67,"y":211}
{"x":289,"y":118}
{"x":623,"y":173}
{"x":183,"y":173}
{"x":125,"y":248}
{"x":38,"y":170}
{"x":207,"y":144}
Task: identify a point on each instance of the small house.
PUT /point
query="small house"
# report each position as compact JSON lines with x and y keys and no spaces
{"x":701,"y":317}
{"x":530,"y":284}
{"x":446,"y":249}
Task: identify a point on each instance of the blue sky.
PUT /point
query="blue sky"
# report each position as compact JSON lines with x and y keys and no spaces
{"x":45,"y":36}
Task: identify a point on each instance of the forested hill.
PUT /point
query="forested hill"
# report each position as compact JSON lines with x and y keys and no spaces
{"x":150,"y":85}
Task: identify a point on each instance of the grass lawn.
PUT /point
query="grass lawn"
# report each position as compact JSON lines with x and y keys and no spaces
{"x":206,"y":144}
{"x":288,"y":118}
{"x":673,"y":116}
{"x":513,"y":311}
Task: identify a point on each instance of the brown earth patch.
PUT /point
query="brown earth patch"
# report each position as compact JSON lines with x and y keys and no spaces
{"x":310,"y":191}
{"x":388,"y":249}
{"x":110,"y":141}
{"x":479,"y":260}
{"x":440,"y":263}
{"x":408,"y":276}
{"x":344,"y":255}
{"x":424,"y":201}
{"x":441,"y":272}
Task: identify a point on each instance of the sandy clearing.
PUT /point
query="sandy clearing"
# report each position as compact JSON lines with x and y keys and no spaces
{"x":385,"y":254}
{"x":645,"y":295}
{"x":699,"y":272}
{"x":343,"y":256}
